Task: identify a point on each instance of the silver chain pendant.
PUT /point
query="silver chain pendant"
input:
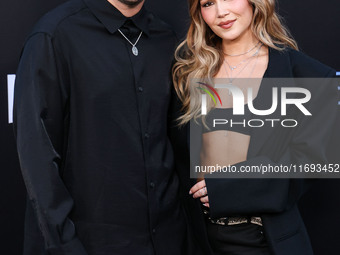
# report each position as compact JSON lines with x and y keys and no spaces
{"x":135,"y":51}
{"x":134,"y":48}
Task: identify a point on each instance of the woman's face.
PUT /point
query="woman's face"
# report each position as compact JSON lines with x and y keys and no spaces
{"x":228,"y":19}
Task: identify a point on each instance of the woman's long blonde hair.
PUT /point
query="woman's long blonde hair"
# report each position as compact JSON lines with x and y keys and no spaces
{"x":200,"y":55}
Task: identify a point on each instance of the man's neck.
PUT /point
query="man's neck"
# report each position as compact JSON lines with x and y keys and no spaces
{"x":126,"y":10}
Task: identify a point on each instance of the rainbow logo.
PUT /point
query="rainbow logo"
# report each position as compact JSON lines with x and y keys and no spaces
{"x":209,"y":93}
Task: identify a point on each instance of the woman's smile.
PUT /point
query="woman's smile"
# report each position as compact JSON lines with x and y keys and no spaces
{"x":227,"y":24}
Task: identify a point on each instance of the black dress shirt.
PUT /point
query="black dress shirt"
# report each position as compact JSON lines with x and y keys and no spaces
{"x":91,"y":129}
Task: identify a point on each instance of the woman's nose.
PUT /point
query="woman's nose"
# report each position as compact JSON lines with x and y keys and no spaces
{"x":222,"y":10}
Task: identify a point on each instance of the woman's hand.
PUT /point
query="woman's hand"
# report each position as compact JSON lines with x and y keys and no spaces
{"x":199,"y":190}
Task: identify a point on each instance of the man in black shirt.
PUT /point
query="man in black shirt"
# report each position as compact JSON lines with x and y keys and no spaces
{"x":91,"y":101}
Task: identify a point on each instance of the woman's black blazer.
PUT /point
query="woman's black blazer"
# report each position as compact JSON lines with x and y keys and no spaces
{"x":275,"y":200}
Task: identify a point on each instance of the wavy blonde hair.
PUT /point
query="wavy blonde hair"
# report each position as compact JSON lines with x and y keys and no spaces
{"x":200,"y":55}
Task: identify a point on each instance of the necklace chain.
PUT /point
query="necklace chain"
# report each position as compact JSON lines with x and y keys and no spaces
{"x":237,"y":55}
{"x":133,"y":44}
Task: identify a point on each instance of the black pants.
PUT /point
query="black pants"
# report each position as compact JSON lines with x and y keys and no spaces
{"x":241,"y":239}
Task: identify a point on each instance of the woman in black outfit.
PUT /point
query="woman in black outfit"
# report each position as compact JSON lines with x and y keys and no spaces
{"x":245,"y":39}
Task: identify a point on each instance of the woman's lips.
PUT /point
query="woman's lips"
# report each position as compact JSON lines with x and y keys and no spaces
{"x":227,"y":24}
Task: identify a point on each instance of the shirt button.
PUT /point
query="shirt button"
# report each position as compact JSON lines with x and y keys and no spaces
{"x":146,"y":135}
{"x":152,"y":185}
{"x":153,"y":231}
{"x":140,"y":89}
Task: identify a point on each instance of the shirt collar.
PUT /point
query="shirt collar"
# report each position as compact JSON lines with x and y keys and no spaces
{"x":113,"y":19}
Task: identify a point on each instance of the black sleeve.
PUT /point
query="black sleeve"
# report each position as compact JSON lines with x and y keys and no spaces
{"x":40,"y":126}
{"x":307,"y":144}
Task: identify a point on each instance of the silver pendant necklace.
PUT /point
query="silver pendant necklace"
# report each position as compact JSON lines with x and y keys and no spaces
{"x":256,"y":55}
{"x":231,"y":78}
{"x":134,"y":48}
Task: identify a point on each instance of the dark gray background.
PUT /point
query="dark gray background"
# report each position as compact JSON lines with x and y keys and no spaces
{"x":314,"y":24}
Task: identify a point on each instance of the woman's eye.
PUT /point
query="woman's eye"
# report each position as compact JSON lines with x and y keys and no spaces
{"x":207,"y":4}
